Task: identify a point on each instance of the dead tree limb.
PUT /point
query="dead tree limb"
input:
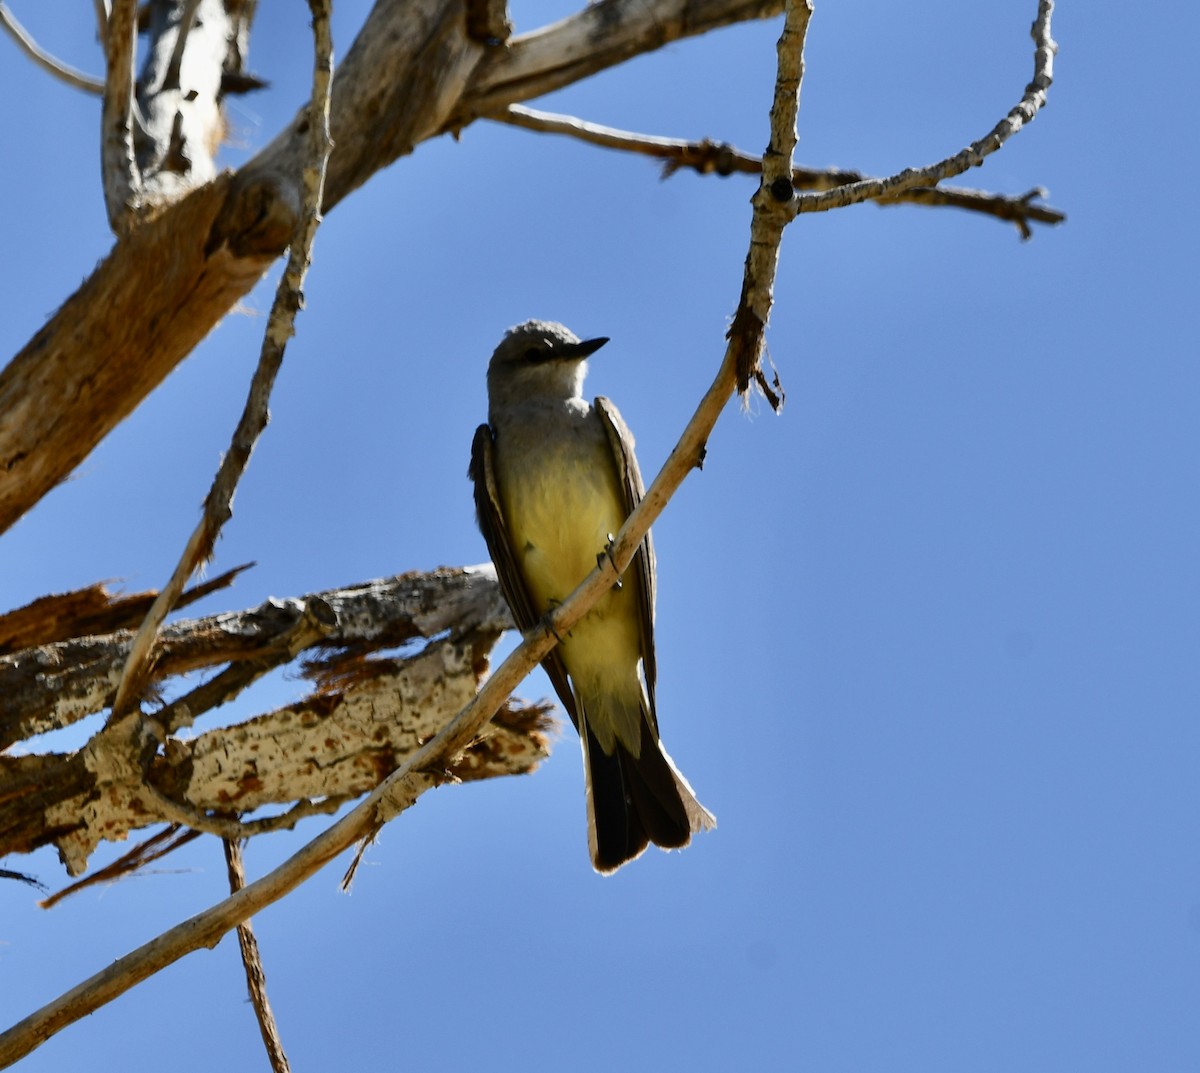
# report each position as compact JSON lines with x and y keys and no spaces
{"x":367,"y":712}
{"x":412,"y":73}
{"x":707,"y":157}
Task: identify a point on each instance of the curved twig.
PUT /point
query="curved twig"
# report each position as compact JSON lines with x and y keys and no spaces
{"x":62,"y":71}
{"x":145,"y":852}
{"x":1019,"y":116}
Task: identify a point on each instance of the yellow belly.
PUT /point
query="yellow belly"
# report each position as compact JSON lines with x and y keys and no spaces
{"x":560,"y":514}
{"x":560,"y":518}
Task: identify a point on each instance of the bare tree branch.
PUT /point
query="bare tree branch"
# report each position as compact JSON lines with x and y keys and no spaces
{"x":366,"y":713}
{"x":88,"y":611}
{"x":122,"y":181}
{"x":256,"y":977}
{"x":179,"y":126}
{"x":62,"y":71}
{"x":147,"y":305}
{"x":289,"y":299}
{"x":165,"y":286}
{"x":601,"y":35}
{"x":1019,"y":115}
{"x":719,"y":158}
{"x":56,"y":684}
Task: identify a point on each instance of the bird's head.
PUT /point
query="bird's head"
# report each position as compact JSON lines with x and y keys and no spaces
{"x":539,"y":359}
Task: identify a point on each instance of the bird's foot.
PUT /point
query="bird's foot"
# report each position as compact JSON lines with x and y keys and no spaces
{"x":548,"y":617}
{"x":607,"y":554}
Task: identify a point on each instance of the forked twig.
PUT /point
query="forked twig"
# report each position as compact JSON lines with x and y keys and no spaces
{"x":770,"y":209}
{"x":708,"y":157}
{"x":1018,"y":116}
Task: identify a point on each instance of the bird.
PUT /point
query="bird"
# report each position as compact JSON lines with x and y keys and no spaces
{"x":554,"y":478}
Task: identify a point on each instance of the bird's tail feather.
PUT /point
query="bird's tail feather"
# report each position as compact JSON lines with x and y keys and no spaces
{"x":632,"y":801}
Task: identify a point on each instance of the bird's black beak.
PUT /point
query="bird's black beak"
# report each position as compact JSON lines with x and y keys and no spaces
{"x":581,"y":349}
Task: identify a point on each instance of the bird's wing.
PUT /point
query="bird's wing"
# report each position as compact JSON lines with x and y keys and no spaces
{"x":642,"y":571}
{"x":490,"y":515}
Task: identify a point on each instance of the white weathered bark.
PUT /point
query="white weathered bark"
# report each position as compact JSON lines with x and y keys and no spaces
{"x":366,"y":714}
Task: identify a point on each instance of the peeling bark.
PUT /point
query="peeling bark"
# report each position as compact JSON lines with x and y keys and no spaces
{"x":179,"y":93}
{"x":367,"y":712}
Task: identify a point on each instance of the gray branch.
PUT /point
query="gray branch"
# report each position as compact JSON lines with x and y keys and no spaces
{"x":368,"y":711}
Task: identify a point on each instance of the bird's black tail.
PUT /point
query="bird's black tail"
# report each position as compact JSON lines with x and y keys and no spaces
{"x":633,"y":801}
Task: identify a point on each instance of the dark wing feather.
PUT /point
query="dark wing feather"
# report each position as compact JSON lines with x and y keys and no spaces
{"x":642,"y":571}
{"x":490,"y":516}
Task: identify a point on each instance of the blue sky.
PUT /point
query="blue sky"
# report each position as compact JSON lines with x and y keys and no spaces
{"x":927,"y":640}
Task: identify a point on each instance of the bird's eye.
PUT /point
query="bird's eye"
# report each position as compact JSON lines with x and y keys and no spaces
{"x":534,"y":354}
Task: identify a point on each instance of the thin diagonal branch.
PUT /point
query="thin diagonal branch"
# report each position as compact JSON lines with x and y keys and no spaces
{"x":1021,"y":114}
{"x":719,"y":158}
{"x":256,"y":977}
{"x":398,"y":791}
{"x":122,"y":183}
{"x":280,"y":327}
{"x":63,"y":71}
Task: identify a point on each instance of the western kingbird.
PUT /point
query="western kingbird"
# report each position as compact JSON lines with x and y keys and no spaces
{"x":554,"y":479}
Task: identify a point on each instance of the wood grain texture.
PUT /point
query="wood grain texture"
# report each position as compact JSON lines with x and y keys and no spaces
{"x":412,"y":73}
